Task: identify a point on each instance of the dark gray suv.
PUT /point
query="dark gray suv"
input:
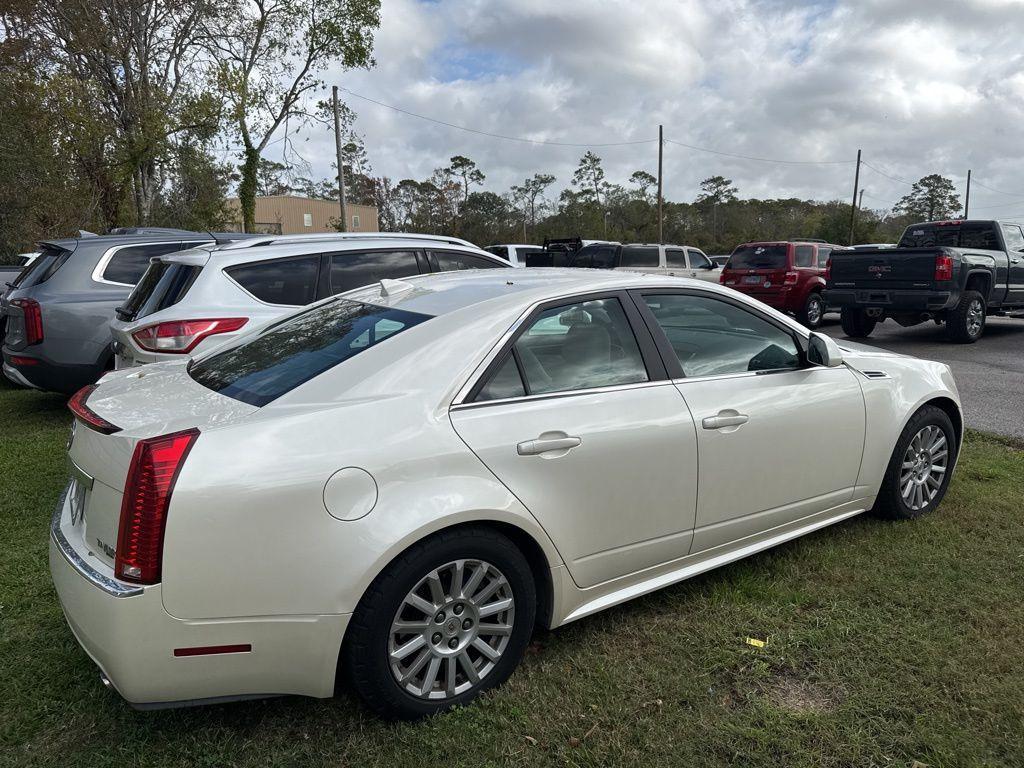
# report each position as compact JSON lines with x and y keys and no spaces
{"x":55,"y":315}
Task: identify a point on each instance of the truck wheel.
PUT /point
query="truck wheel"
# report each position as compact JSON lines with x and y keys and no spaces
{"x":966,"y":321}
{"x":856,"y":323}
{"x":813,"y":311}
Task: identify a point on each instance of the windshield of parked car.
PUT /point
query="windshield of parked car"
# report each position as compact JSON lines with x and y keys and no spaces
{"x":955,"y":235}
{"x":300,"y":347}
{"x":758,"y":257}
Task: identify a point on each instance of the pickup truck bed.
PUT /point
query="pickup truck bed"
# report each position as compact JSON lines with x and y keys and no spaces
{"x":955,"y":273}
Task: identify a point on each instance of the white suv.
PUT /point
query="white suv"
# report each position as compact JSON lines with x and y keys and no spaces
{"x":190,"y":301}
{"x":677,"y":260}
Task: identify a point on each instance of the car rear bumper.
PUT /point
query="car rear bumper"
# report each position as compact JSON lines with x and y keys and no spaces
{"x":892,"y":301}
{"x":782,"y":299}
{"x":131,"y":638}
{"x":46,"y":375}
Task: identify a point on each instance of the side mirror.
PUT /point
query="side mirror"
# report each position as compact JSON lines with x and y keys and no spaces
{"x":823,"y":350}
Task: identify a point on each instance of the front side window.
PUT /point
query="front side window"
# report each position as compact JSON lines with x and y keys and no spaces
{"x":803,"y":256}
{"x":675,"y":258}
{"x":575,"y":346}
{"x":639,"y":256}
{"x":699,"y":261}
{"x":290,"y":282}
{"x":354,"y":270}
{"x":594,"y":256}
{"x":452,"y":261}
{"x":1013,"y":237}
{"x":299,"y":348}
{"x":501,"y":251}
{"x":128,"y":265}
{"x":823,"y":253}
{"x":713,"y":338}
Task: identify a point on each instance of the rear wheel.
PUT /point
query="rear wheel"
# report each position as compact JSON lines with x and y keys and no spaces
{"x":813,"y":311}
{"x":966,"y":322}
{"x":920,"y":468}
{"x":450,"y":618}
{"x":856,"y":323}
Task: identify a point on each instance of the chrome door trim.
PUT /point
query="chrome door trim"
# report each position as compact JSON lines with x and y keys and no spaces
{"x":564,"y":393}
{"x":112,"y":587}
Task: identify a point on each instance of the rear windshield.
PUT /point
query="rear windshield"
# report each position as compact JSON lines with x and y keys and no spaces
{"x":163,"y":285}
{"x":968,"y":235}
{"x":299,"y":348}
{"x":42,"y":268}
{"x":758,"y":257}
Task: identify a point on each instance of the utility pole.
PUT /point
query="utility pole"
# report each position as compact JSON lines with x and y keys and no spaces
{"x":860,"y":201}
{"x":341,"y":166}
{"x":967,"y":197}
{"x":853,"y":205}
{"x":661,"y":220}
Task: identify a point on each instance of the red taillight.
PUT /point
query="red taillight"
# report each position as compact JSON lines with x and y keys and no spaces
{"x":88,"y":416}
{"x":181,"y":336}
{"x":943,"y":267}
{"x":791,"y":278}
{"x":147,"y":494}
{"x":33,"y":319}
{"x":21,"y":361}
{"x":721,"y":277}
{"x":828,"y":269}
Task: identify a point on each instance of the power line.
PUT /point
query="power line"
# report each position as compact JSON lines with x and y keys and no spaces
{"x":498,"y":135}
{"x":760,"y":159}
{"x":997,"y":191}
{"x":888,"y":176}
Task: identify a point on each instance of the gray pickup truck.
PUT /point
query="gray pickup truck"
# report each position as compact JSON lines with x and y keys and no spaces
{"x":955,"y":273}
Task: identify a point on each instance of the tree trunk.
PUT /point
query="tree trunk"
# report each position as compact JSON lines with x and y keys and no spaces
{"x":247,"y":188}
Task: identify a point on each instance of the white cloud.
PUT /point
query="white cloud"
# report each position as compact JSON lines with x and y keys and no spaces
{"x":921,"y":86}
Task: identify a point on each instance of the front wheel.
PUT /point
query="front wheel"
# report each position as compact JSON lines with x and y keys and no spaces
{"x":813,"y":311}
{"x":856,"y":323}
{"x":966,"y":322}
{"x":450,"y":618}
{"x":920,"y":467}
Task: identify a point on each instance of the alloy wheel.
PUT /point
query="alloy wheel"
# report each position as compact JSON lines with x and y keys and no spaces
{"x":924,"y":466}
{"x":451,"y":629}
{"x":975,"y":317}
{"x":814,"y":311}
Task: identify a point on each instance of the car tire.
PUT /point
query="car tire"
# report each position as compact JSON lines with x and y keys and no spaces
{"x":856,"y":323}
{"x":812,"y":312}
{"x":966,"y":321}
{"x":915,"y":484}
{"x":446,"y":642}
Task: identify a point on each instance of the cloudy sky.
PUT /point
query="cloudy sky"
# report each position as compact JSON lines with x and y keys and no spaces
{"x":921,"y":86}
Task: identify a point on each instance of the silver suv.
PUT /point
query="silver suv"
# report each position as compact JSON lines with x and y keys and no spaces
{"x":191,"y":301}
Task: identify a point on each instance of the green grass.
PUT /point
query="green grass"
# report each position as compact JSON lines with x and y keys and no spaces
{"x":886,"y":643}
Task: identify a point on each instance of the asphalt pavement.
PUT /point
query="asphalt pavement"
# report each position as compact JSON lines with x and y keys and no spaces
{"x":988,"y":373}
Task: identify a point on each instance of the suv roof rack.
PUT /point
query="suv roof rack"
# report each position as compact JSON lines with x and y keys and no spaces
{"x":259,"y":241}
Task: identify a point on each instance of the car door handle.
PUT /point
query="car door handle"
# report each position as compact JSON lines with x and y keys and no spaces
{"x":545,"y":444}
{"x":1015,"y":261}
{"x":725,"y":419}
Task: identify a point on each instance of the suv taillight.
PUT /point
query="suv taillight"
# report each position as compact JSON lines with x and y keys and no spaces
{"x":182,"y":336}
{"x":33,"y":319}
{"x":943,"y":267}
{"x":791,"y":278}
{"x":87,"y":415}
{"x":147,"y":494}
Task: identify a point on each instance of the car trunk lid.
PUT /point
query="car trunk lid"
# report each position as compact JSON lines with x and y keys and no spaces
{"x":156,"y":400}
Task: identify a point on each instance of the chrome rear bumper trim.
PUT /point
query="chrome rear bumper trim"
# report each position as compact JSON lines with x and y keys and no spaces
{"x":110,"y":586}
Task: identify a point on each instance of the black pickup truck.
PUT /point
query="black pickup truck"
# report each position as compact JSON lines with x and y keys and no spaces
{"x":953,"y":272}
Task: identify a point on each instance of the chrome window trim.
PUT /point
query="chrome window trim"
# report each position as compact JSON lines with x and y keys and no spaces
{"x":101,"y":265}
{"x":111,"y":586}
{"x":562,"y":393}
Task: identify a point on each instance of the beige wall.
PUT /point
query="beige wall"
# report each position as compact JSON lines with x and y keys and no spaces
{"x":290,"y":215}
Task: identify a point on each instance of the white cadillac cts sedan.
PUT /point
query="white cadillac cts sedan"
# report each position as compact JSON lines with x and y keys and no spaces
{"x":391,"y":487}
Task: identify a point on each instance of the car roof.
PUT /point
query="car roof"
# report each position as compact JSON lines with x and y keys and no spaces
{"x":227,"y":256}
{"x":443,"y":292}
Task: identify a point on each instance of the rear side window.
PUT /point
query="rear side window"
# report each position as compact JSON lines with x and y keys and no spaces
{"x":450,"y":261}
{"x":354,"y":270}
{"x":675,"y":257}
{"x":803,"y":256}
{"x":299,"y":348}
{"x":42,"y":268}
{"x":128,"y":265}
{"x":758,"y":257}
{"x":639,"y":256}
{"x":163,"y":285}
{"x":281,"y":281}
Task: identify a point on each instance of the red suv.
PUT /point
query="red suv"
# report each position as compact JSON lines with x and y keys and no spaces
{"x":789,"y":276}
